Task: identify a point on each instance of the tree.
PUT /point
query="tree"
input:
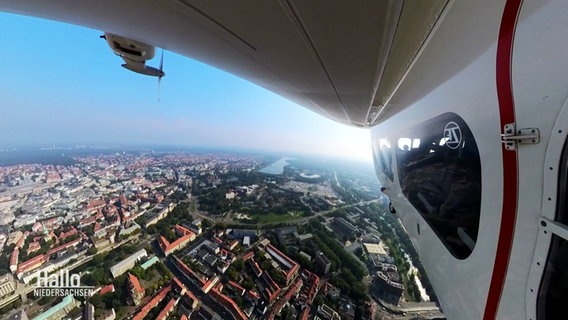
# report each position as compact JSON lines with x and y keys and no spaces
{"x":206,"y":223}
{"x":99,"y":259}
{"x":89,"y":230}
{"x":248,"y":284}
{"x":139,"y":272}
{"x":170,"y":236}
{"x":17,"y":303}
{"x":277,"y":276}
{"x":318,"y":300}
{"x":234,"y":275}
{"x":97,"y":301}
{"x":152,"y":229}
{"x":239,"y":265}
{"x":266,"y":264}
{"x":4,"y":264}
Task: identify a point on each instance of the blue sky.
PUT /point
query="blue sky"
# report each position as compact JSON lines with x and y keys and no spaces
{"x":62,"y":84}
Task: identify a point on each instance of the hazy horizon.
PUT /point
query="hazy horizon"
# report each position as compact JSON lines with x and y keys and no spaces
{"x":46,"y":155}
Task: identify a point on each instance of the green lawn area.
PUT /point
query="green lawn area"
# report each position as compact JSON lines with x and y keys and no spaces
{"x":277,"y":218}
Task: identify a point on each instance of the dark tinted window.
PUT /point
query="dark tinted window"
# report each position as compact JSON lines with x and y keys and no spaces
{"x":554,"y":285}
{"x":440,"y":174}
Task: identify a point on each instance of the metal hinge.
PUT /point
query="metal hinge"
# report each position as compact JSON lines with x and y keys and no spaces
{"x":512,"y":136}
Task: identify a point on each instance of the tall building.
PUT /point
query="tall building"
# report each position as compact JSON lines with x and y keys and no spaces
{"x":122,"y":200}
{"x":386,"y":286}
{"x":344,"y":226}
{"x":135,"y":289}
{"x":322,"y":263}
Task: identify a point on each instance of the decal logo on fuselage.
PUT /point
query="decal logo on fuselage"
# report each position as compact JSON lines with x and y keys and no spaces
{"x":452,"y":135}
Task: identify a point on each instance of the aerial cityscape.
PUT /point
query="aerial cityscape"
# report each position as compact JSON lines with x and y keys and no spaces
{"x":204,"y":235}
{"x":255,"y":209}
{"x":310,"y":160}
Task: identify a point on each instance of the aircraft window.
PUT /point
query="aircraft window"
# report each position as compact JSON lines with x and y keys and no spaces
{"x":440,"y":174}
{"x":554,"y":285}
{"x":385,"y":155}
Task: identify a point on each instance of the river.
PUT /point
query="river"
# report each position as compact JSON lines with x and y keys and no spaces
{"x":423,"y":295}
{"x":277,"y":167}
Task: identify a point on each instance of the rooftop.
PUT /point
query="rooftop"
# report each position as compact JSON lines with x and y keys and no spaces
{"x":53,"y":310}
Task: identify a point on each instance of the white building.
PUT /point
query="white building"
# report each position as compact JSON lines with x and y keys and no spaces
{"x":6,"y":218}
{"x":7,"y":286}
{"x":50,"y":267}
{"x":127,"y":263}
{"x":24,"y":220}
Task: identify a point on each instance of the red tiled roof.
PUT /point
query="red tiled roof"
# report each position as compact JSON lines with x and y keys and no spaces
{"x":248,"y":255}
{"x":174,"y":244}
{"x":295,"y":266}
{"x":123,"y":200}
{"x":229,"y":304}
{"x":64,"y":246}
{"x":96,"y":203}
{"x":271,"y":281}
{"x":237,"y":287}
{"x":50,"y":222}
{"x":27,"y":265}
{"x":253,"y":294}
{"x":154,"y":302}
{"x":88,"y":220}
{"x":107,"y":289}
{"x":135,"y":283}
{"x":183,"y":287}
{"x":166,"y":246}
{"x":178,"y":283}
{"x":69,"y":233}
{"x":314,"y":281}
{"x":163,"y":242}
{"x":14,"y":257}
{"x":272,"y":290}
{"x":282,"y":301}
{"x":207,"y":286}
{"x":34,"y":246}
{"x":305,"y":313}
{"x":20,"y":242}
{"x":256,"y":268}
{"x":167,"y":309}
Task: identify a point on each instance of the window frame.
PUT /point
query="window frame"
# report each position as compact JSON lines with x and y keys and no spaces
{"x":462,"y":154}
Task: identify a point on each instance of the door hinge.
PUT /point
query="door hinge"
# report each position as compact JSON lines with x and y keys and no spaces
{"x":512,"y":136}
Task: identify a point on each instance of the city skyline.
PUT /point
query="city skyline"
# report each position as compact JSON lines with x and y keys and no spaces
{"x":210,"y":232}
{"x":66,"y":87}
